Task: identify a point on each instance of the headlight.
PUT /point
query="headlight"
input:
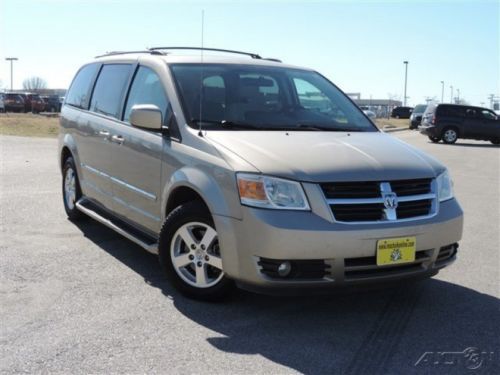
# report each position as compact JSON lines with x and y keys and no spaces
{"x":445,"y":187}
{"x":271,"y":192}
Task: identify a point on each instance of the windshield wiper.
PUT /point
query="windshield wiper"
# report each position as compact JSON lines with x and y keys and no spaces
{"x":226,"y":124}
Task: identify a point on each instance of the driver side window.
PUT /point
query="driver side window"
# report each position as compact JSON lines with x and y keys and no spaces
{"x":146,"y":89}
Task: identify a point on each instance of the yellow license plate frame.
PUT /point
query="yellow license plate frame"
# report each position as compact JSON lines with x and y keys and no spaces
{"x":396,"y":250}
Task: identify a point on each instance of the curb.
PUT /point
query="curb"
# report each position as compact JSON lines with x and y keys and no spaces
{"x":392,"y":130}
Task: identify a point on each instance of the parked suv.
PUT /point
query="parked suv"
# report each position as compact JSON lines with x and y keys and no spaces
{"x":448,"y":122}
{"x":13,"y":102}
{"x":52,"y":103}
{"x":416,"y":115}
{"x":247,"y":171}
{"x":401,"y":112}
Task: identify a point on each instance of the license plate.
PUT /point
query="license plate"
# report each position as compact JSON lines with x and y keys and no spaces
{"x":396,"y":250}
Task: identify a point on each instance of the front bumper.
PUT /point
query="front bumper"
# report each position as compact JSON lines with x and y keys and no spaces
{"x":348,"y":251}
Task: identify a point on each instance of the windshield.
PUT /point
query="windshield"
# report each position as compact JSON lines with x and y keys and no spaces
{"x":420,"y":108}
{"x":230,"y":96}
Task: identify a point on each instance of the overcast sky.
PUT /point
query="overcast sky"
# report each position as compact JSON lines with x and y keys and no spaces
{"x":360,"y":46}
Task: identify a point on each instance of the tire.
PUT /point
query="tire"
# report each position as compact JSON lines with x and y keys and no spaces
{"x":449,"y":135}
{"x":495,"y":141}
{"x":194,"y":268}
{"x":71,"y":190}
{"x":434,"y":139}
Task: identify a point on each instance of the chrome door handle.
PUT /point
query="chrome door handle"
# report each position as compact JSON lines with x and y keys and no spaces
{"x":104,"y":133}
{"x":117,"y":139}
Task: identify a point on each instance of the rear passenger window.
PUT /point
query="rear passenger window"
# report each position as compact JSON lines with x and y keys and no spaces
{"x":78,"y":92}
{"x":146,"y":89}
{"x":108,"y":91}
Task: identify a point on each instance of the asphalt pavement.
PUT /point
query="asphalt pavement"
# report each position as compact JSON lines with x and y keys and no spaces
{"x":82,"y":299}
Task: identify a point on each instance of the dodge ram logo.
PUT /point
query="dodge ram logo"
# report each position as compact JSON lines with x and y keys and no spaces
{"x":390,"y":200}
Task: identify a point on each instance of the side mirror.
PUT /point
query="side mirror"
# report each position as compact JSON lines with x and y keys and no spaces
{"x":146,"y":116}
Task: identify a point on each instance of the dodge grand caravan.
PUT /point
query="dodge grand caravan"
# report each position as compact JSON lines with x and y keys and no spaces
{"x":244,"y":170}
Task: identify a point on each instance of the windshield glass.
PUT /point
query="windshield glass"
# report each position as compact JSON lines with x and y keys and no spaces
{"x":230,"y":96}
{"x":420,"y":108}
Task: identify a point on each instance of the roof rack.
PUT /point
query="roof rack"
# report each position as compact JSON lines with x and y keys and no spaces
{"x":158,"y":51}
{"x":252,"y":55}
{"x":113,"y":53}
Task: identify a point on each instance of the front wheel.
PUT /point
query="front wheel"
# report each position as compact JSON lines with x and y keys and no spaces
{"x":71,"y":190}
{"x":190,"y":254}
{"x":434,"y":139}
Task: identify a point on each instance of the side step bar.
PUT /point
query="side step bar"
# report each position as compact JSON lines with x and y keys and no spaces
{"x":87,"y":210}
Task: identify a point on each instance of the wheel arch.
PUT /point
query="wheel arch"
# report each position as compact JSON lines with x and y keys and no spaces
{"x":190,"y":183}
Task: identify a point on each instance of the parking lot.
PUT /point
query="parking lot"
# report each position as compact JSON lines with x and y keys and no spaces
{"x":82,"y":299}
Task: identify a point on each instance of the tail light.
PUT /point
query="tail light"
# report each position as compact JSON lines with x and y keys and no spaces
{"x":433,"y":121}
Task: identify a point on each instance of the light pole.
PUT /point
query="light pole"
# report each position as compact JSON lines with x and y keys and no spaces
{"x":406,"y":80}
{"x":442,"y":91}
{"x":11,"y":59}
{"x":451,"y":94}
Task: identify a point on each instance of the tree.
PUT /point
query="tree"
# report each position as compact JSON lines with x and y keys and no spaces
{"x":34,"y":84}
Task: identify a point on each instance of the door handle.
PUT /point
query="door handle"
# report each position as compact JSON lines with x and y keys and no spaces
{"x":117,"y":139}
{"x":104,"y":133}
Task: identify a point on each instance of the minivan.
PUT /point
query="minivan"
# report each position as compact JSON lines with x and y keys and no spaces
{"x":241,"y":170}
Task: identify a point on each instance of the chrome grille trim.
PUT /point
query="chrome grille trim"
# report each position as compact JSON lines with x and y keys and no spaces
{"x":390,"y":214}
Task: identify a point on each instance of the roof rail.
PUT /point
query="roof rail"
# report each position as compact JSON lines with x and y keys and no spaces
{"x":252,"y":55}
{"x":113,"y":53}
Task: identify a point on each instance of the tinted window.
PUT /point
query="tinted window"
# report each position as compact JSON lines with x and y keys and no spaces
{"x":488,"y":114}
{"x":449,"y":110}
{"x":109,"y":88}
{"x":146,"y":89}
{"x":79,"y":90}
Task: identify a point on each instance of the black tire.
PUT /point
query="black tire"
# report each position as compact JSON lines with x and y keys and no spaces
{"x":449,"y":135}
{"x":495,"y":141}
{"x":434,"y":139}
{"x":185,"y":214}
{"x":69,"y":204}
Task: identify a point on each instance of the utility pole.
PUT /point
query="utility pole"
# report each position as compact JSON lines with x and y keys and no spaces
{"x":11,"y":59}
{"x":406,"y":80}
{"x":451,"y":94}
{"x":442,"y":91}
{"x":491,"y":97}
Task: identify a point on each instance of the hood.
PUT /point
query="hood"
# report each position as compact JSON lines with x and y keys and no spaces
{"x":325,"y":156}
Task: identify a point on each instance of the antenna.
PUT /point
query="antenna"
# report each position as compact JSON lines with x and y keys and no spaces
{"x":201,"y":72}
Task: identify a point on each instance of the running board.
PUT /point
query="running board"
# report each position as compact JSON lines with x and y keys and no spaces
{"x":85,"y":207}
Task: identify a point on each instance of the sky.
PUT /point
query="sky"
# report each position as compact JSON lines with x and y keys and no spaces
{"x":359,"y":45}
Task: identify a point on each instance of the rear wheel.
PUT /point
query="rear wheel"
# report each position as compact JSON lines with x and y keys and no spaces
{"x":434,"y":139}
{"x":449,"y":135}
{"x":190,"y":254}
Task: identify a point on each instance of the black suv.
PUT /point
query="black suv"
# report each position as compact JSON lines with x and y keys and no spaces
{"x":448,"y":122}
{"x":402,"y":112}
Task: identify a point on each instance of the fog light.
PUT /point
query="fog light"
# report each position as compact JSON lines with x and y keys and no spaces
{"x":284,"y":269}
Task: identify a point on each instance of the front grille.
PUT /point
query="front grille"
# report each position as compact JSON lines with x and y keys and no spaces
{"x":411,"y":187}
{"x":366,"y":267}
{"x":366,"y":201}
{"x":351,"y":190}
{"x":300,"y":269}
{"x":410,"y":209}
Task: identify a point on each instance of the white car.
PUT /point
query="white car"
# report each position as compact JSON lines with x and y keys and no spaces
{"x":370,"y":114}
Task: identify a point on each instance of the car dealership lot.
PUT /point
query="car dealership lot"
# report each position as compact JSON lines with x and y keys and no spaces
{"x":81,"y":299}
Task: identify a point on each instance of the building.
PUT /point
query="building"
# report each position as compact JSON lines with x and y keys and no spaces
{"x":381,"y":107}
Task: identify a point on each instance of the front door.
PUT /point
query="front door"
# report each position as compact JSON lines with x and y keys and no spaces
{"x":136,"y":156}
